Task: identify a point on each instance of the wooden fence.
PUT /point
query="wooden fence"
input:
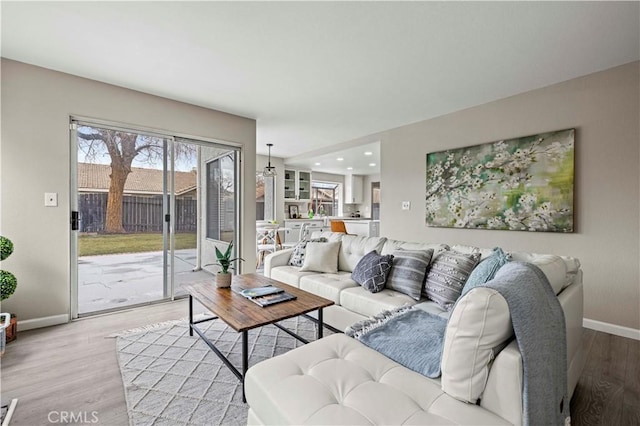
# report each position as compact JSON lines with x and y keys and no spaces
{"x":139,"y":214}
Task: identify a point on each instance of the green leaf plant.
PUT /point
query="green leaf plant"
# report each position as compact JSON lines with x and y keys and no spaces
{"x":224,"y":259}
{"x":8,"y":281}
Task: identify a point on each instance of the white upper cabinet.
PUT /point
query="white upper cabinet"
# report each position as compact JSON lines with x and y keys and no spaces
{"x":297,"y":185}
{"x":353,"y":189}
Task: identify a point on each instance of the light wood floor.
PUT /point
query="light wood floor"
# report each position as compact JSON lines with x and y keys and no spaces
{"x":73,"y":368}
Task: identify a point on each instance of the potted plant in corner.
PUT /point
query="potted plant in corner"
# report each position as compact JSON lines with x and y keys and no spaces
{"x":223,"y":278}
{"x":8,"y":284}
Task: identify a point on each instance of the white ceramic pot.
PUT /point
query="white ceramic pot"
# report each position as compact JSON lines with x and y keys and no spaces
{"x":223,"y":280}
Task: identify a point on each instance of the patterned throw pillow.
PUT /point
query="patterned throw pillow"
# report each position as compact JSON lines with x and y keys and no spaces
{"x":447,"y":276}
{"x":371,"y":271}
{"x":408,"y":272}
{"x":297,"y":257}
{"x":486,"y":270}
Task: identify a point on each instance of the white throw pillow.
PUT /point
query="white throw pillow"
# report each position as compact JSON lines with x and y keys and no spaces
{"x":478,"y":329}
{"x":321,"y":257}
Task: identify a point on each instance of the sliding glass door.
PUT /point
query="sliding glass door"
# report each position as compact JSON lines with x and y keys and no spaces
{"x":148,"y":211}
{"x":217,"y":210}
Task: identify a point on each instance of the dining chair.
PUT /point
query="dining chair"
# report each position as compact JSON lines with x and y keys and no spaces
{"x":266,"y":243}
{"x":338,"y":226}
{"x":305,"y":234}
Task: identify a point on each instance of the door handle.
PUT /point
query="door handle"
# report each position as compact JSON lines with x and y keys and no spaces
{"x":74,"y":221}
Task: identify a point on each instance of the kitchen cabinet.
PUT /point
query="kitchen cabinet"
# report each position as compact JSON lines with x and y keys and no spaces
{"x":297,"y":185}
{"x":292,"y":234}
{"x":353,"y":189}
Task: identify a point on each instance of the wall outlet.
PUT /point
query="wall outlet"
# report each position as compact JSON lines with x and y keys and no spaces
{"x":51,"y":199}
{"x":406,"y":205}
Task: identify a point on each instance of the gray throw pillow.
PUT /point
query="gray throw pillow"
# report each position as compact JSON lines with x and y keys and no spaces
{"x":447,"y":276}
{"x":486,"y":269}
{"x":371,"y":271}
{"x":408,"y":272}
{"x":297,"y":257}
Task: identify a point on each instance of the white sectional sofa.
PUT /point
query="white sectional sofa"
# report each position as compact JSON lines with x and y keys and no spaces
{"x":338,"y":380}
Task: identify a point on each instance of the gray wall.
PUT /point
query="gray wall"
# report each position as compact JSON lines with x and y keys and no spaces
{"x":365,"y":207}
{"x":36,"y":105}
{"x":604,"y":109}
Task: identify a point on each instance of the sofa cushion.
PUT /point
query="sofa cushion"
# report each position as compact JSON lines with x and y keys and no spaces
{"x":484,"y":252}
{"x":354,"y":248}
{"x":479,"y":326}
{"x":392,"y":245}
{"x":409,"y":271}
{"x":433,"y":308}
{"x":573,"y":266}
{"x":486,"y":269}
{"x":559,"y":276}
{"x":299,"y":250}
{"x":328,"y":286}
{"x":371,"y":272}
{"x":321,"y":257}
{"x":289,"y":274}
{"x":362,"y":302}
{"x":554,"y":267}
{"x":447,"y":276}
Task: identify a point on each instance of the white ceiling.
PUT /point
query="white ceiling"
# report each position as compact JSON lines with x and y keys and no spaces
{"x":357,"y":160}
{"x":317,"y":74}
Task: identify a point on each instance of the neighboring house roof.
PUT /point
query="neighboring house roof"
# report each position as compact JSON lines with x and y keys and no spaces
{"x":95,"y":177}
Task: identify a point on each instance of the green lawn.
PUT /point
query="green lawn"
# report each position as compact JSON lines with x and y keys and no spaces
{"x":92,"y":245}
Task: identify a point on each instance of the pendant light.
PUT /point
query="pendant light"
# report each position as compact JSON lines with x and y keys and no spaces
{"x":269,"y":171}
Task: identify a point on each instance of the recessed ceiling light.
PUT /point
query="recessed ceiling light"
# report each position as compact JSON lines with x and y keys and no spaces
{"x":372,"y":164}
{"x":368,"y":153}
{"x":340,"y":159}
{"x":349,"y":168}
{"x":316,"y":164}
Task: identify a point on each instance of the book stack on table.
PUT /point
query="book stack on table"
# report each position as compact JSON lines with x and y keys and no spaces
{"x":267,"y":295}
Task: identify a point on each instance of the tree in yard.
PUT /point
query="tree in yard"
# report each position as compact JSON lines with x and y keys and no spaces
{"x":122,"y":148}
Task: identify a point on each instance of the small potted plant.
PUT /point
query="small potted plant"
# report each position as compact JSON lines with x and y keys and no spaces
{"x":223,"y":279}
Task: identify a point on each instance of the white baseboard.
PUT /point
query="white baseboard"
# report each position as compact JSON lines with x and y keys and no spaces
{"x":617,"y":330}
{"x":30,"y":324}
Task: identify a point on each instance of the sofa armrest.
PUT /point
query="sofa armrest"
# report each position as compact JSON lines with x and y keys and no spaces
{"x":503,"y":392}
{"x":278,"y":258}
{"x":572,"y":301}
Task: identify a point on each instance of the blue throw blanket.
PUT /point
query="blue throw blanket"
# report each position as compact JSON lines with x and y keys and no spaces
{"x":411,"y":337}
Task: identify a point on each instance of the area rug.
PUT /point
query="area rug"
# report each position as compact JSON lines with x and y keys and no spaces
{"x":171,"y":378}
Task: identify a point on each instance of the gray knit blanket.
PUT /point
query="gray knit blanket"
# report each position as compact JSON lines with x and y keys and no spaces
{"x":540,"y":331}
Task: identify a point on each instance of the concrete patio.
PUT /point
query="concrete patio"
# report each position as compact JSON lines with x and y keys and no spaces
{"x":119,"y":280}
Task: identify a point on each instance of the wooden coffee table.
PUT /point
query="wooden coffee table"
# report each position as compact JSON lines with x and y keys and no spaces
{"x":241,"y":314}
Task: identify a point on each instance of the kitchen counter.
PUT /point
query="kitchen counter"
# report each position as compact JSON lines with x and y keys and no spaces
{"x":363,"y":227}
{"x":355,"y":225}
{"x":345,"y":218}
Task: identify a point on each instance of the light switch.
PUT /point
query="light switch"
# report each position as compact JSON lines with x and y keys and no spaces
{"x":51,"y":199}
{"x":406,"y":205}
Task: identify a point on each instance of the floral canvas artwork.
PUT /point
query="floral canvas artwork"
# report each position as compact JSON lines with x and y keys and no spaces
{"x":523,"y":184}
